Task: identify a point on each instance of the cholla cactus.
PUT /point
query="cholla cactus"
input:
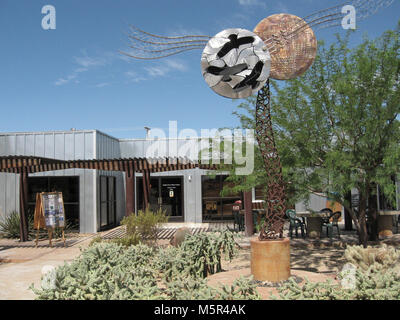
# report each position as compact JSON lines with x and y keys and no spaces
{"x":377,"y":277}
{"x":107,"y":271}
{"x":382,"y":258}
{"x":241,"y":289}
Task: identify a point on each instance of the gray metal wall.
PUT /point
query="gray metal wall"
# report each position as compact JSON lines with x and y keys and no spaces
{"x":144,"y":148}
{"x":64,"y":145}
{"x":93,"y":144}
{"x":9,"y":194}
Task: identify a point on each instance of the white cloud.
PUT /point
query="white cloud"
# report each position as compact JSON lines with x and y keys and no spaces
{"x":87,"y":62}
{"x":165,"y":68}
{"x":252,"y":3}
{"x":62,"y":81}
{"x":134,"y":77}
{"x":176,"y":65}
{"x":84,"y":63}
{"x":102,"y":84}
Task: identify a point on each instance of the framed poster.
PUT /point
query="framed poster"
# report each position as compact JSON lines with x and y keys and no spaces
{"x":53,"y":209}
{"x":49,"y":213}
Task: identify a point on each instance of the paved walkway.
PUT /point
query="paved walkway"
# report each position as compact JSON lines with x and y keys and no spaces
{"x":21,"y":263}
{"x":168,"y":230}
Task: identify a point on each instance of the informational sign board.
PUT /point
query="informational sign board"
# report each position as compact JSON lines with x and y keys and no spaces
{"x":49,"y":213}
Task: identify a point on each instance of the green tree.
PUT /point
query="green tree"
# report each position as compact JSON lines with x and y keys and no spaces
{"x":337,"y":126}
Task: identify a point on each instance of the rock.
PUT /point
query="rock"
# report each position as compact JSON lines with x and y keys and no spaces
{"x":179,"y":236}
{"x":348,"y":276}
{"x":48,"y":277}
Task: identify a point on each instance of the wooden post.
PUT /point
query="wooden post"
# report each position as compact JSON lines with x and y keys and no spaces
{"x":23,"y":197}
{"x":248,"y":215}
{"x":63,"y":236}
{"x":50,"y":231}
{"x":348,"y":223}
{"x":145,"y":201}
{"x":146,"y":188}
{"x":130,"y":193}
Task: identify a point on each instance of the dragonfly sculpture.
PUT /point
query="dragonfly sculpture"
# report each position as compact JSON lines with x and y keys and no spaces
{"x":237,"y":63}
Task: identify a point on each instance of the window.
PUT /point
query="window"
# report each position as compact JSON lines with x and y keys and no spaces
{"x":215,"y":206}
{"x":69,"y":186}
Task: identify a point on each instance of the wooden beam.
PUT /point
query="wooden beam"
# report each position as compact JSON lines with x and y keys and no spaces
{"x":23,"y":204}
{"x":130,"y":193}
{"x":248,"y":214}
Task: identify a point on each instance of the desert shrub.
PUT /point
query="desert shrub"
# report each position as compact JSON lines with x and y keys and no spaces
{"x":382,"y":257}
{"x":377,"y":277}
{"x":108,"y":271}
{"x":128,"y":240}
{"x":9,"y":227}
{"x":189,"y":288}
{"x":144,"y":225}
{"x":242,"y":288}
{"x":205,"y":250}
{"x":68,"y":227}
{"x":95,"y":240}
{"x":105,"y":271}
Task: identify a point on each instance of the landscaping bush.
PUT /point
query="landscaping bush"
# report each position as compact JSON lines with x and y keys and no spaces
{"x":144,"y":225}
{"x":108,"y":271}
{"x":9,"y":228}
{"x":128,"y":240}
{"x":377,"y":277}
{"x":205,"y":250}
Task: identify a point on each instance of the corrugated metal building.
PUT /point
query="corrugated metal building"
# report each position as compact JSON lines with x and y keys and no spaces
{"x":90,"y":193}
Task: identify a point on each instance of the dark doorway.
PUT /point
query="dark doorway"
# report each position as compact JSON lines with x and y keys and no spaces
{"x":107,"y":202}
{"x":69,"y":186}
{"x":165,"y":193}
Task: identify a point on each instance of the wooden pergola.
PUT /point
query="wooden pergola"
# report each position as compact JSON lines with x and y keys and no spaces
{"x":24,"y":165}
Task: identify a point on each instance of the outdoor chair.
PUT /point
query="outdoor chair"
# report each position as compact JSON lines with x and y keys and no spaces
{"x":238,"y":223}
{"x":295,"y":223}
{"x":332,"y":222}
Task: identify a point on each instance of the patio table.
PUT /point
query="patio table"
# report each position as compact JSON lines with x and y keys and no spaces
{"x":314,"y":222}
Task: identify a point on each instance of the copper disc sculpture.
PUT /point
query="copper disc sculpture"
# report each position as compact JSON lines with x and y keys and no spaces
{"x":236,"y":63}
{"x":291,"y":53}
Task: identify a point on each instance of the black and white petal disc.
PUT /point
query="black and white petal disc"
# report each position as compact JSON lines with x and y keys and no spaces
{"x":235,"y":63}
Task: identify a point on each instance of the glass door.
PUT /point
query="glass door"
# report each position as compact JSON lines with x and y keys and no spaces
{"x":165,"y":193}
{"x":107,"y":202}
{"x":171,"y":197}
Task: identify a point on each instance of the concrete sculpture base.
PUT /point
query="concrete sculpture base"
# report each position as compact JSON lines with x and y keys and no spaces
{"x":270,"y":260}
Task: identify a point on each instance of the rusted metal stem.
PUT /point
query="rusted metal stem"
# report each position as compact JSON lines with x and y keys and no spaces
{"x":276,"y":199}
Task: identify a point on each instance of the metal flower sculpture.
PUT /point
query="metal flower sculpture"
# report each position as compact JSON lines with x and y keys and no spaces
{"x":238,"y":63}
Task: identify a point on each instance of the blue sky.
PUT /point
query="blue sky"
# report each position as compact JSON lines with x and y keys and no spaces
{"x":74,"y":77}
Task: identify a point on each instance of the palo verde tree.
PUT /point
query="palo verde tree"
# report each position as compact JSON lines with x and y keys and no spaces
{"x":337,"y":126}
